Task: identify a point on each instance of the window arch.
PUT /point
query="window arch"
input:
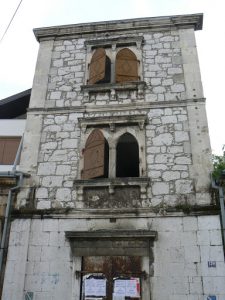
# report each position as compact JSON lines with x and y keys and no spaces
{"x":96,"y":156}
{"x":100,"y":67}
{"x":126,"y":66}
{"x":127,"y":156}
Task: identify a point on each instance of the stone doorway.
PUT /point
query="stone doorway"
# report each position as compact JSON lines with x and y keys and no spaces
{"x":106,"y":262}
{"x":111,"y":277}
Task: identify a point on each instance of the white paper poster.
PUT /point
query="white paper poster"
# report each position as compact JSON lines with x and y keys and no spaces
{"x":127,"y":288}
{"x":120,"y":287}
{"x":131,"y":288}
{"x":95,"y":287}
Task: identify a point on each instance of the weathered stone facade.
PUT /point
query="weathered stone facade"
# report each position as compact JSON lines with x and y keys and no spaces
{"x":181,"y":255}
{"x":165,"y":112}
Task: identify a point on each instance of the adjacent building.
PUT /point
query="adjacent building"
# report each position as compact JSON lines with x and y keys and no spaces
{"x":115,"y":197}
{"x":12,"y":126}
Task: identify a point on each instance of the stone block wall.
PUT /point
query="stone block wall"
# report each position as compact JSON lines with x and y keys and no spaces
{"x":165,"y":112}
{"x":58,"y":160}
{"x":161,"y":64}
{"x":180,"y":269}
{"x":170,"y":150}
{"x":169,"y":156}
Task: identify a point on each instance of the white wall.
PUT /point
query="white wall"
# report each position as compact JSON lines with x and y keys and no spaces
{"x":12,"y":127}
{"x":40,"y":258}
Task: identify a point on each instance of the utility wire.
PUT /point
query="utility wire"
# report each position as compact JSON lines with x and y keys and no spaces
{"x":10,"y":21}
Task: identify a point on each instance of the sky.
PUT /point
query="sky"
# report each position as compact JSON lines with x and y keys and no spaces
{"x":19,"y":48}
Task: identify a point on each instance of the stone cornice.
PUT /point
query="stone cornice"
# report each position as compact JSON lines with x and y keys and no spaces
{"x":116,"y":107}
{"x":112,"y":121}
{"x":111,"y":234}
{"x":141,"y":24}
{"x":82,"y":213}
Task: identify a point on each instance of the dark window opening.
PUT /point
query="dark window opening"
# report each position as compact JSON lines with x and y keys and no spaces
{"x":106,"y":161}
{"x":127,"y":156}
{"x":107,"y":77}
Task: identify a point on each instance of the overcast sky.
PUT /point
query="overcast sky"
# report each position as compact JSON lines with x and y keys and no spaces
{"x":18,"y":49}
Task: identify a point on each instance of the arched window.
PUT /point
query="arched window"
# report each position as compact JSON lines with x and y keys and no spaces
{"x":100,"y":67}
{"x":127,"y":156}
{"x":96,"y":156}
{"x":126,"y":66}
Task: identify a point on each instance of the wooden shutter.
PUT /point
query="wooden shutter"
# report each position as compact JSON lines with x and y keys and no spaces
{"x":97,"y":66}
{"x":126,"y":66}
{"x":8,"y":150}
{"x":94,"y":155}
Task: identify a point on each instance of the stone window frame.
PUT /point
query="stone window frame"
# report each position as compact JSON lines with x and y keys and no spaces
{"x":113,"y":128}
{"x":112,"y":47}
{"x":79,"y":249}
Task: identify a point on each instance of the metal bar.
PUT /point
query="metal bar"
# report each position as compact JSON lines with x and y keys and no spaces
{"x":7,"y":217}
{"x":16,"y":175}
{"x":17,"y":155}
{"x":8,"y":174}
{"x":222,"y":208}
{"x":143,"y":273}
{"x":8,"y":206}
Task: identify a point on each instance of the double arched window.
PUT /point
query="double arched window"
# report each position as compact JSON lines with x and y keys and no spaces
{"x":125,"y":66}
{"x":97,"y":157}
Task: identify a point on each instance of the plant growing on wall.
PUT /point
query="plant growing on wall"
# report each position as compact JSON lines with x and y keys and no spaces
{"x":218,"y":165}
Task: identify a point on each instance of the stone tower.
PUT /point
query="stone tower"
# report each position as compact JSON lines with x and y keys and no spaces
{"x":117,"y":204}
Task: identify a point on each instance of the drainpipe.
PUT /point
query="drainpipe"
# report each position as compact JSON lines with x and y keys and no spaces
{"x":222,"y":208}
{"x":19,"y":176}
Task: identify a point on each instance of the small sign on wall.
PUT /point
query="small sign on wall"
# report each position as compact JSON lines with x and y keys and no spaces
{"x":211,"y":298}
{"x":29,"y":296}
{"x":211,"y":264}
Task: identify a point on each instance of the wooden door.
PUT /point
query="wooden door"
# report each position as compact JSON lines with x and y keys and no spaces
{"x":116,"y":271}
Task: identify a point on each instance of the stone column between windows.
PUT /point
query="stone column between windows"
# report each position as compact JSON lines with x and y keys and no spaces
{"x":113,"y":64}
{"x":112,"y":162}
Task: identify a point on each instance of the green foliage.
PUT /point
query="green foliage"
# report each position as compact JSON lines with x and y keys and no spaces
{"x":218,"y":164}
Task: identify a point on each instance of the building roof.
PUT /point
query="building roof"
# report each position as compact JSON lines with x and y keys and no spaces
{"x":176,"y":21}
{"x":15,"y":105}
